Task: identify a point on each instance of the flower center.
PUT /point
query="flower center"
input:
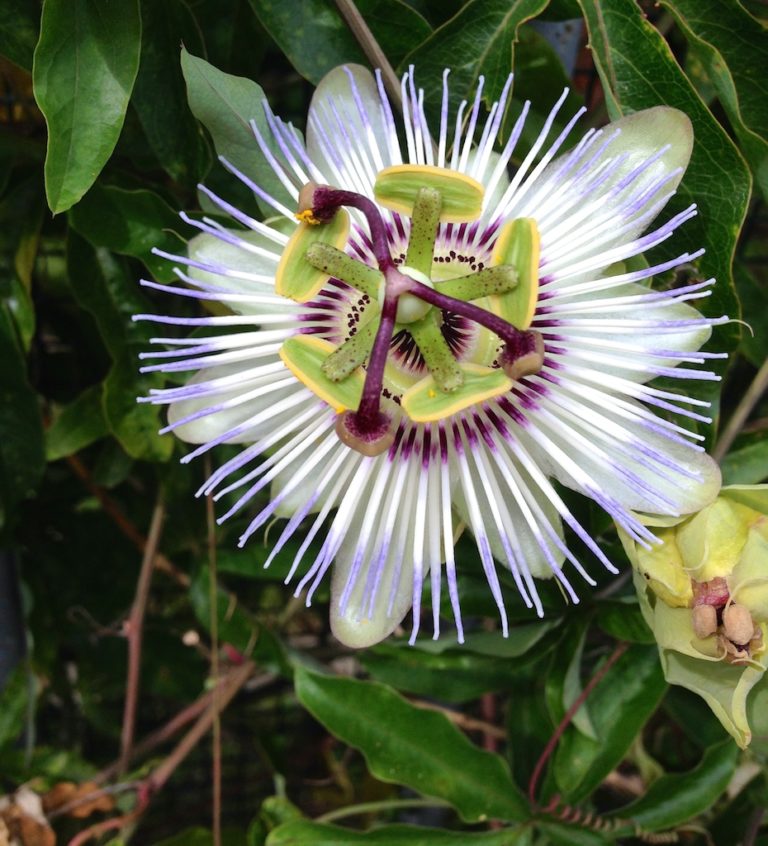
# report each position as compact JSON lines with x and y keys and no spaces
{"x":409,"y":301}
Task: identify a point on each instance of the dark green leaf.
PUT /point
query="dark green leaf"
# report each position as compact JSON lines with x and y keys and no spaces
{"x":747,"y":465}
{"x":19,"y":30}
{"x":76,"y":426}
{"x":102,"y":286}
{"x":306,"y":833}
{"x":754,"y":341}
{"x":569,"y":835}
{"x":159,"y":95}
{"x":624,"y":621}
{"x":132,"y":223}
{"x":314,"y":36}
{"x":22,"y":456}
{"x":225,"y":105}
{"x":619,"y":706}
{"x":673,"y":799}
{"x":479,"y":40}
{"x":14,"y":697}
{"x":638,"y":71}
{"x":733,"y":48}
{"x":85,"y":66}
{"x":408,"y":745}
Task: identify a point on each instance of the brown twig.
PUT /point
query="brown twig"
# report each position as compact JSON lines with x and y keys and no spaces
{"x":135,"y":632}
{"x":371,"y":48}
{"x":214,"y":626}
{"x":566,"y":721}
{"x":123,"y":522}
{"x":463,"y":721}
{"x":753,"y":827}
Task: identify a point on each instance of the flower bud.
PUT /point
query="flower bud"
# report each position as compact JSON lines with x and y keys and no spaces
{"x":703,"y":591}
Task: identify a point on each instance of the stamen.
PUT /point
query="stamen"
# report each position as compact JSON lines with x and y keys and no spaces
{"x":335,"y":263}
{"x":437,"y":354}
{"x":424,"y":223}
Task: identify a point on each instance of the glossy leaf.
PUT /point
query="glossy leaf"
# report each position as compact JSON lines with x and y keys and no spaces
{"x":619,"y":706}
{"x":225,"y":105}
{"x":307,"y":833}
{"x":638,"y":71}
{"x":623,"y":621}
{"x":677,"y":797}
{"x":132,"y":223}
{"x":159,"y":95}
{"x":77,"y":425}
{"x":732,"y":46}
{"x":315,"y":37}
{"x":85,"y":65}
{"x":479,"y":40}
{"x":407,"y":745}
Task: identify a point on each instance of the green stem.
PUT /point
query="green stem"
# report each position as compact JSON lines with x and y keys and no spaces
{"x":381,"y":805}
{"x":424,"y":222}
{"x":335,"y":263}
{"x":353,"y":352}
{"x":499,"y":279}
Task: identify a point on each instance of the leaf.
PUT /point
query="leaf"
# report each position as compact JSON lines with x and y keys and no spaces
{"x":747,"y":465}
{"x":103,"y":288}
{"x":159,"y":95}
{"x":315,"y":37}
{"x":22,"y":457}
{"x":408,"y":745}
{"x":307,"y":833}
{"x":619,"y":707}
{"x":19,"y":30}
{"x":14,"y":698}
{"x":732,"y":46}
{"x":678,"y":797}
{"x":76,"y":426}
{"x":85,"y":65}
{"x":571,"y":835}
{"x":132,"y":223}
{"x":624,"y":621}
{"x":479,"y":40}
{"x":225,"y":105}
{"x":754,"y":342}
{"x":638,"y":71}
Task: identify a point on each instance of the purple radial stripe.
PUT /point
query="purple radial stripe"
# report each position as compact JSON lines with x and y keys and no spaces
{"x":386,"y":109}
{"x":216,"y":269}
{"x":211,"y":227}
{"x":501,"y":165}
{"x":282,"y":142}
{"x":469,"y":134}
{"x":214,"y":360}
{"x":456,"y":146}
{"x":207,"y":294}
{"x":443,"y":135}
{"x":249,"y":222}
{"x":257,"y":190}
{"x":641,"y":168}
{"x":492,"y":126}
{"x":277,"y":168}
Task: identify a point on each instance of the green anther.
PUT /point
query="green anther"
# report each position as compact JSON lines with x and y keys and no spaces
{"x":424,"y":222}
{"x":461,"y":196}
{"x":519,"y":244}
{"x":353,"y":352}
{"x":336,"y":263}
{"x":438,"y":357}
{"x":491,"y":280}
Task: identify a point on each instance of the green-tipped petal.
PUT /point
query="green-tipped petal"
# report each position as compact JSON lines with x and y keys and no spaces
{"x":519,"y":245}
{"x":397,"y":188}
{"x":425,"y":402}
{"x":304,"y":356}
{"x":295,"y":277}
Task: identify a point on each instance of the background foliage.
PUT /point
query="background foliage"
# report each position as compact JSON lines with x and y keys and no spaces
{"x":105,"y":131}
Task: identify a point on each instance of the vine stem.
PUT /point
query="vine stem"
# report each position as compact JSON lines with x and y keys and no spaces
{"x":742,"y":412}
{"x":371,"y":48}
{"x":566,"y":721}
{"x":213,"y":602}
{"x":135,"y":632}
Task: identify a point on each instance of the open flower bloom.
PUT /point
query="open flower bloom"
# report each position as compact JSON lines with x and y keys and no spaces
{"x":420,"y":341}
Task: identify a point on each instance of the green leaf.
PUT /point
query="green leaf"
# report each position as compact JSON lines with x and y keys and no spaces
{"x":13,"y":705}
{"x":22,"y":456}
{"x":479,"y":40}
{"x":623,"y":620}
{"x":225,"y":105}
{"x":315,"y":37}
{"x":102,"y":286}
{"x":407,"y":745}
{"x":733,"y":48}
{"x":84,"y":69}
{"x":560,"y":834}
{"x":638,"y":71}
{"x":132,"y":223}
{"x":619,"y":707}
{"x":19,"y":30}
{"x":159,"y":95}
{"x":307,"y":833}
{"x":76,"y":426}
{"x":675,"y":798}
{"x":754,"y":341}
{"x":747,"y":465}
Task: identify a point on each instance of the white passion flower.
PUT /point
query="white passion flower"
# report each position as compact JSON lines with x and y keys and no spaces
{"x":439,"y":335}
